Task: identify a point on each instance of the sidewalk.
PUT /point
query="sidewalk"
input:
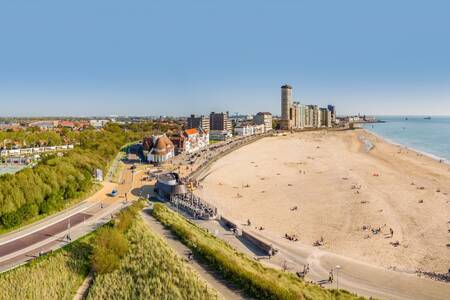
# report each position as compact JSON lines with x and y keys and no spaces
{"x":54,"y":218}
{"x":24,"y":244}
{"x":57,"y":241}
{"x":355,"y":276}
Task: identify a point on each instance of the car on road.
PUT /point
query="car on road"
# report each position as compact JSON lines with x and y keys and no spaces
{"x":114,"y":193}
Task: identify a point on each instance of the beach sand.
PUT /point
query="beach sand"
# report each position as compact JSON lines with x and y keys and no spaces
{"x":339,"y":187}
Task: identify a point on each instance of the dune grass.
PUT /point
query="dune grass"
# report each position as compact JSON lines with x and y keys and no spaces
{"x":150,"y":270}
{"x":53,"y":276}
{"x":257,"y":280}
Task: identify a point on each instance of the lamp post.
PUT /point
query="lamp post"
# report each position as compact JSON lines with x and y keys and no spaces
{"x":338,"y":267}
{"x":69,"y":238}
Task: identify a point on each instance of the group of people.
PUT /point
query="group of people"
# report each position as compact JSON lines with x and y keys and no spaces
{"x":303,"y":273}
{"x":320,"y":242}
{"x":291,"y":237}
{"x":194,"y":206}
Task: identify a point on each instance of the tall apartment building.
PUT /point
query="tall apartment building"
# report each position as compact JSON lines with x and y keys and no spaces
{"x":325,"y":117}
{"x":263,"y":118}
{"x":286,"y":104}
{"x":198,"y":122}
{"x":316,"y":116}
{"x":220,"y":121}
{"x":308,"y":116}
{"x":297,"y":116}
{"x":332,"y":110}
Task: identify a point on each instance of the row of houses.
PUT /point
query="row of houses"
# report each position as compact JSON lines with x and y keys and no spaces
{"x":249,"y":129}
{"x":73,"y":125}
{"x":32,"y":151}
{"x":220,"y":125}
{"x":160,"y":148}
{"x":260,"y":123}
{"x":200,"y":130}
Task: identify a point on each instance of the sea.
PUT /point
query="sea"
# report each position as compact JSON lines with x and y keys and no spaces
{"x":428,"y":135}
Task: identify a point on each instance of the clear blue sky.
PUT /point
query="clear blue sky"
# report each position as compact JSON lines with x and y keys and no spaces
{"x":92,"y":57}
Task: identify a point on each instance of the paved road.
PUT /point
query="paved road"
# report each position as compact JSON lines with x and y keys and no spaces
{"x":356,"y":276}
{"x":41,"y":235}
{"x":49,"y":234}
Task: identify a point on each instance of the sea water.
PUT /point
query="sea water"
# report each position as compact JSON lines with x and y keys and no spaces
{"x":430,"y":136}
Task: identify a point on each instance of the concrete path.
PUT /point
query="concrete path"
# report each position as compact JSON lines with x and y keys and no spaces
{"x":83,"y":290}
{"x":213,"y":279}
{"x":355,"y":276}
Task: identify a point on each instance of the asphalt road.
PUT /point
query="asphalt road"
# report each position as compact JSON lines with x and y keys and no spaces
{"x":41,"y":235}
{"x":24,"y":244}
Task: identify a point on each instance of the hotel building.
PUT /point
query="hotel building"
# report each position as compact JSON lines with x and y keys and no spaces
{"x":198,"y":122}
{"x":263,"y":118}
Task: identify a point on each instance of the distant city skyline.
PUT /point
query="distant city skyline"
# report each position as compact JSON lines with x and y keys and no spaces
{"x":176,"y":58}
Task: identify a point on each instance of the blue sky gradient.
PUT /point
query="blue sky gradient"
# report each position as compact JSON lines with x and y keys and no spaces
{"x":180,"y":57}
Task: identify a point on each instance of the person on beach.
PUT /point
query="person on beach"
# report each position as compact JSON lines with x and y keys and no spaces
{"x":248,"y":222}
{"x":391,"y":232}
{"x":330,"y":276}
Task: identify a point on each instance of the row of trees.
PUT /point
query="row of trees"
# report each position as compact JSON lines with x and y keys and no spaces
{"x":56,"y":180}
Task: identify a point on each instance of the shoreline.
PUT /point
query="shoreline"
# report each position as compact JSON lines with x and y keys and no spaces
{"x":394,"y":143}
{"x":236,"y":194}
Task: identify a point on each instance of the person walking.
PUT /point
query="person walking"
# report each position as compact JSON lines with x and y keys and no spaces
{"x":330,"y":276}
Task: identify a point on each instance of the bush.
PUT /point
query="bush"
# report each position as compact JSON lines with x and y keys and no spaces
{"x":149,"y":270}
{"x":109,"y":247}
{"x":12,"y":219}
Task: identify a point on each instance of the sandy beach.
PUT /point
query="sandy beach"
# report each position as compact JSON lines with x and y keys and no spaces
{"x":327,"y":184}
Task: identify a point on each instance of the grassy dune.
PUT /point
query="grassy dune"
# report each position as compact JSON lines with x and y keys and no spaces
{"x":53,"y":276}
{"x":259,"y":281}
{"x":150,"y":270}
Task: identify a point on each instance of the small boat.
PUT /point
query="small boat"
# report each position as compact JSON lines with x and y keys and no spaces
{"x":427,"y":118}
{"x":406,"y":119}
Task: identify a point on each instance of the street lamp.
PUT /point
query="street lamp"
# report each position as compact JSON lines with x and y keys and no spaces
{"x":69,"y":238}
{"x":338,"y":267}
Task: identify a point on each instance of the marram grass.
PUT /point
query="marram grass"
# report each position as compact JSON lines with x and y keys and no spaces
{"x":150,"y":270}
{"x":257,"y":280}
{"x":53,"y":276}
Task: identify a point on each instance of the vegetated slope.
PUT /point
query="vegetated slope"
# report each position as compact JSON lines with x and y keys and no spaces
{"x":150,"y":270}
{"x":57,"y":180}
{"x":53,"y":276}
{"x":257,"y":280}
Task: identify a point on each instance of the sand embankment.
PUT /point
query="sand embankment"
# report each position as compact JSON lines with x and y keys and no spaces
{"x":339,"y":189}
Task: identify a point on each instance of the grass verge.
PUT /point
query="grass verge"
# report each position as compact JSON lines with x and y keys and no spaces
{"x":53,"y":276}
{"x":257,"y":280}
{"x":149,"y":270}
{"x":70,"y":203}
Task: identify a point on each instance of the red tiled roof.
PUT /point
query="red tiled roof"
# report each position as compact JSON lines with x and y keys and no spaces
{"x":66,"y":124}
{"x":191,"y":131}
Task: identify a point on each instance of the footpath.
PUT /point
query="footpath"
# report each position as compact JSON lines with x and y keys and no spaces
{"x":213,"y":279}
